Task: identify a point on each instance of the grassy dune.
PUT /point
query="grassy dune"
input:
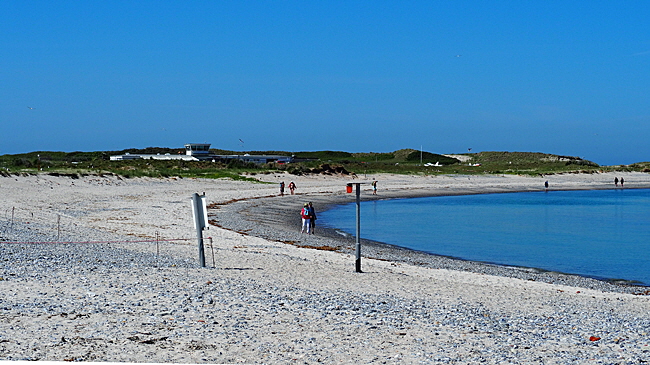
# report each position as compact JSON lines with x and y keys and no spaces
{"x":405,"y":161}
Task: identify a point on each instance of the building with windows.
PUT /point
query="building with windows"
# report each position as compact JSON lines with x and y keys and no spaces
{"x":201,"y":152}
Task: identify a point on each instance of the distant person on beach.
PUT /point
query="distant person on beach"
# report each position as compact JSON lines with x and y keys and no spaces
{"x":616,"y":181}
{"x":312,"y":217}
{"x":546,"y":184}
{"x":622,"y":182}
{"x":306,"y":221}
{"x":282,"y":188}
{"x":374,"y":187}
{"x":292,"y":187}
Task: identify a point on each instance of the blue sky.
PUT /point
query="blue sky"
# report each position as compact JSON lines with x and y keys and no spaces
{"x":562,"y":77}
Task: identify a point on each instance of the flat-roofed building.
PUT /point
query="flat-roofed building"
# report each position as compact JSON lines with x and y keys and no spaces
{"x":197,"y":149}
{"x":201,"y":152}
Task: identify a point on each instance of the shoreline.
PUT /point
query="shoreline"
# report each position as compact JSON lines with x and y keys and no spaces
{"x":254,"y":221}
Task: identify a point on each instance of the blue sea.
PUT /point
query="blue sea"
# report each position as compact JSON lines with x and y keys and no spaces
{"x":596,"y":233}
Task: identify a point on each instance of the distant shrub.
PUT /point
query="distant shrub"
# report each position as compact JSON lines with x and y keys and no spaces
{"x":295,"y":169}
{"x":328,"y":169}
{"x":324,"y":155}
{"x":22,"y":162}
{"x":372,"y":156}
{"x":64,"y":174}
{"x":232,"y":164}
{"x":415,"y":156}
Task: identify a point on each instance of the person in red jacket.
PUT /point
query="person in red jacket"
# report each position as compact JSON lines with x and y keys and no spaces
{"x":306,"y":219}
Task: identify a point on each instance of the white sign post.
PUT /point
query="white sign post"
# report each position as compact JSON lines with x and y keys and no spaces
{"x":200,"y":214}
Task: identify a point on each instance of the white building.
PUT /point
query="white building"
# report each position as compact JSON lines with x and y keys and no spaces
{"x":193,"y":152}
{"x":201,"y":152}
{"x":197,"y":149}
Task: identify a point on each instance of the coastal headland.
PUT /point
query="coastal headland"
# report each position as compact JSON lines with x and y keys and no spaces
{"x":103,"y":268}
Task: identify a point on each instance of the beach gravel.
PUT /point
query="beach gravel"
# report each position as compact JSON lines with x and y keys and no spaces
{"x":122,"y":290}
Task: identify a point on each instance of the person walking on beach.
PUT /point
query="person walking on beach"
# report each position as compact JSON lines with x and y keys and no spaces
{"x":622,"y":181}
{"x":282,"y":188}
{"x":546,"y":185}
{"x":616,"y":181}
{"x":292,"y":187}
{"x":306,"y":221}
{"x":312,"y":217}
{"x":374,"y":186}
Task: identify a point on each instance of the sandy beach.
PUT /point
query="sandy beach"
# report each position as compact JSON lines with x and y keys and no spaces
{"x":111,"y":274}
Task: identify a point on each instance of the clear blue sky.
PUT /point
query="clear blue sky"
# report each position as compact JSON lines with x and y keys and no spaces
{"x":562,"y":77}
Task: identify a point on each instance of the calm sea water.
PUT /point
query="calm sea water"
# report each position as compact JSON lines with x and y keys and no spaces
{"x":599,"y":233}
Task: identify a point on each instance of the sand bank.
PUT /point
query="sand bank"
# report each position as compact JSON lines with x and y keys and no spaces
{"x":268,"y":300}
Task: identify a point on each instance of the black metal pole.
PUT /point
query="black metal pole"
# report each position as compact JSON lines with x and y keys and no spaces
{"x":358,"y":245}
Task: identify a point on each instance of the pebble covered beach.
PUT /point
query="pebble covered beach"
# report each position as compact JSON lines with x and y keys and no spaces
{"x":101,"y":268}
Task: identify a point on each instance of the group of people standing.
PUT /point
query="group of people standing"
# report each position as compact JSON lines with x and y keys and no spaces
{"x":308,"y":215}
{"x":292,"y":188}
{"x":616,"y":181}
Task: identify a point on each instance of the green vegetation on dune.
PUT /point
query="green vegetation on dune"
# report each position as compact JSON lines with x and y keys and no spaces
{"x":531,"y":163}
{"x":527,"y":157}
{"x":405,"y":161}
{"x":640,"y":166}
{"x":324,"y":155}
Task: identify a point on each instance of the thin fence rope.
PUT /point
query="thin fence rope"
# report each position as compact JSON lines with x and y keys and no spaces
{"x":91,"y":242}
